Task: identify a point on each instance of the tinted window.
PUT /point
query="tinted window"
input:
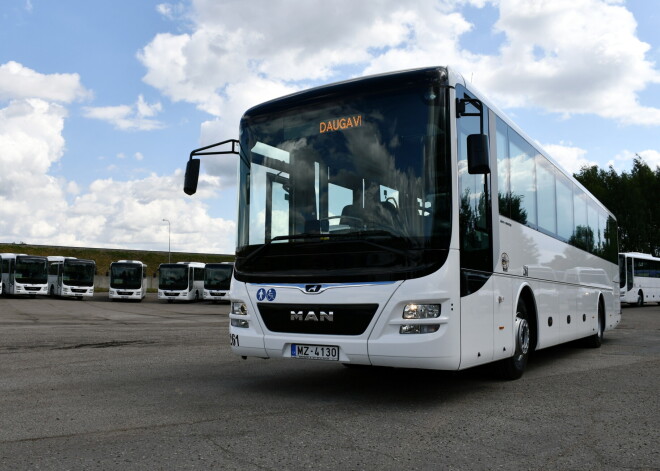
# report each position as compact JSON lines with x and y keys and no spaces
{"x":523,"y":180}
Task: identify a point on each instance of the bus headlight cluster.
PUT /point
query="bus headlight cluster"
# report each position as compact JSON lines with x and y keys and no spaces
{"x":421,"y":311}
{"x":239,"y":309}
{"x":418,"y":312}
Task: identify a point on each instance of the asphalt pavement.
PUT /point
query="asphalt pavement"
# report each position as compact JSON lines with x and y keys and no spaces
{"x":106,"y":385}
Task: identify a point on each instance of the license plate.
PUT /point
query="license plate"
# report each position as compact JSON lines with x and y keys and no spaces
{"x":315,"y":352}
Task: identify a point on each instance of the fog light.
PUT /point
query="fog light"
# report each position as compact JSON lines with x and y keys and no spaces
{"x":421,"y":311}
{"x":242,"y":323}
{"x":419,"y":328}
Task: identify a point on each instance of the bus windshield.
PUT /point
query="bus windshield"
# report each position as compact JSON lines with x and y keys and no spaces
{"x":125,"y":276}
{"x":31,"y":270}
{"x":173,"y":276}
{"x":355,"y":172}
{"x":217,"y":276}
{"x":78,"y":273}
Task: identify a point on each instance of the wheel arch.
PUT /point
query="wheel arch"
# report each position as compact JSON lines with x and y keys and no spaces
{"x":526,"y":294}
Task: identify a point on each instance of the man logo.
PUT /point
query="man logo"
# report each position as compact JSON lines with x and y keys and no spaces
{"x":312,"y":316}
{"x":312,"y":288}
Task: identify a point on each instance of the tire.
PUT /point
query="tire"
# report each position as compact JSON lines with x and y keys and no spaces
{"x":514,"y":367}
{"x":640,"y":299}
{"x":596,"y":340}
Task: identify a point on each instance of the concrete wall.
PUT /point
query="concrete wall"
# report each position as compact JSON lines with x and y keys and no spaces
{"x":103,"y":282}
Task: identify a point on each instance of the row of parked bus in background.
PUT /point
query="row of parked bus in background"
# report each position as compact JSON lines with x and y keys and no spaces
{"x":32,"y":275}
{"x":182,"y":281}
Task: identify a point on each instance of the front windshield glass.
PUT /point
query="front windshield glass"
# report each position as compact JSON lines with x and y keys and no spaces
{"x":125,"y":276}
{"x":78,"y":273}
{"x":173,"y":277}
{"x":217,"y":276}
{"x":364,"y":173}
{"x":31,"y":270}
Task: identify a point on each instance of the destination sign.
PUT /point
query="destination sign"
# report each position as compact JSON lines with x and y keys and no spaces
{"x":340,"y":124}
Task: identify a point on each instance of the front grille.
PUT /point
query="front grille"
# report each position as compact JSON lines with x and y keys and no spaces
{"x":32,"y":288}
{"x":78,"y":290}
{"x":347,"y":319}
{"x":124,"y":293}
{"x":169,"y":293}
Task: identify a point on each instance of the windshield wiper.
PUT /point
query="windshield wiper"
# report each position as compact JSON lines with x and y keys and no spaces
{"x":362,"y":235}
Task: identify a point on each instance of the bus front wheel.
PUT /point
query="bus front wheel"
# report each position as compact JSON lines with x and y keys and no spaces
{"x":513,"y":367}
{"x":640,"y":298}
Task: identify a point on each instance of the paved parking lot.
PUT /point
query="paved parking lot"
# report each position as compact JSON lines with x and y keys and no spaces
{"x":99,"y":385}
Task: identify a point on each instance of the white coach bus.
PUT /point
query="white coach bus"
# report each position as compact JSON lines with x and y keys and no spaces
{"x":217,"y":279}
{"x":71,"y":277}
{"x":128,"y":280}
{"x":182,"y":281}
{"x":639,"y":276}
{"x":401,"y":220}
{"x":24,"y":274}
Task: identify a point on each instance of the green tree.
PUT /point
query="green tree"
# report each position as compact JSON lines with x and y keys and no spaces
{"x":633,"y":199}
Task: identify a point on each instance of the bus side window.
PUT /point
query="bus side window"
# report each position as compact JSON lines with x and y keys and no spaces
{"x":474,"y":202}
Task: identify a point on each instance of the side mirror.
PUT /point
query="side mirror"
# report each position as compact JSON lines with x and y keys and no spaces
{"x":192,"y":176}
{"x":477,"y":154}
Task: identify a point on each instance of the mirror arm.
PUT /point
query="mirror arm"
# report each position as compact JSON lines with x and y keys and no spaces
{"x":192,"y":167}
{"x":461,"y":106}
{"x":234,"y":145}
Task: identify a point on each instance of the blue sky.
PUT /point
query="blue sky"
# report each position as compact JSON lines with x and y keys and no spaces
{"x":101,"y":102}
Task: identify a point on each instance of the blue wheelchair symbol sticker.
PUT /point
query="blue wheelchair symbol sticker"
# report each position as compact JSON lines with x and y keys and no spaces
{"x":270,"y":294}
{"x":261,"y":294}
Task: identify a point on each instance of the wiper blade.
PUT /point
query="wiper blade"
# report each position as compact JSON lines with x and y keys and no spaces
{"x":361,"y":235}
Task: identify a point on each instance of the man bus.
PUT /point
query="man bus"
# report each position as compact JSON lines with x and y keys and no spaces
{"x":402,"y":220}
{"x":70,"y":277}
{"x":24,"y":275}
{"x":217,"y":280}
{"x":182,"y":281}
{"x":128,"y":280}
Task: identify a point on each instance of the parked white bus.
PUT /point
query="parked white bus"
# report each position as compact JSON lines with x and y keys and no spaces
{"x":71,"y":277}
{"x":639,"y":276}
{"x":183,"y":281}
{"x":128,"y":280}
{"x":401,"y":220}
{"x":217,"y":278}
{"x":24,"y":274}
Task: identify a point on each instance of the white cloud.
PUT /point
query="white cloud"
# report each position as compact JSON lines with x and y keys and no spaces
{"x":19,"y":82}
{"x":564,"y":56}
{"x":38,"y":208}
{"x":623,"y":161}
{"x":571,"y":57}
{"x":136,"y":117}
{"x":570,"y":158}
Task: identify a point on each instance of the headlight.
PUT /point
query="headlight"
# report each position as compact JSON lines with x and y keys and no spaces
{"x":421,"y":311}
{"x":240,"y":309}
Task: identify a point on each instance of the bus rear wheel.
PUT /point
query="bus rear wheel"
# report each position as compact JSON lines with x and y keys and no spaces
{"x":513,"y":367}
